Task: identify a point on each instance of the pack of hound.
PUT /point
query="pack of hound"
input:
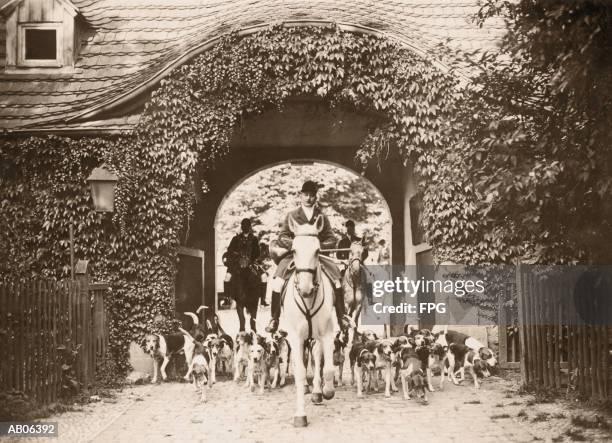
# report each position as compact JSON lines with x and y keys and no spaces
{"x":209,"y":351}
{"x":412,"y":359}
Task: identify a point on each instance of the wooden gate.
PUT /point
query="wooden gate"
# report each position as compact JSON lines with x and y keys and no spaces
{"x":562,"y":340}
{"x":37,"y":317}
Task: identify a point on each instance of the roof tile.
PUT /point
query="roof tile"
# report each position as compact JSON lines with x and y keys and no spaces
{"x":135,"y":39}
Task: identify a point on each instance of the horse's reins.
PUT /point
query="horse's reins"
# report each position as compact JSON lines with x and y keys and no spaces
{"x":308,"y":312}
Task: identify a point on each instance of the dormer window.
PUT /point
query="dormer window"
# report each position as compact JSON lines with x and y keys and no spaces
{"x":40,"y":45}
{"x":39,"y":34}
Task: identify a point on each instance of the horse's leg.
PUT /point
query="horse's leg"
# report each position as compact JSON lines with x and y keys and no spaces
{"x":404,"y":386}
{"x":388,"y":380}
{"x":299,"y":373}
{"x":317,"y":355}
{"x":359,"y":377}
{"x":357,"y":314}
{"x":240,"y":312}
{"x":429,"y":379}
{"x":252,"y":310}
{"x":393,"y":372}
{"x":327,"y":343}
{"x":283,"y":373}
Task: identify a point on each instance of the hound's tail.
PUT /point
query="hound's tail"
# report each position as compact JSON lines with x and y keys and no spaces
{"x":186,"y":334}
{"x":196,"y":320}
{"x":219,"y":327}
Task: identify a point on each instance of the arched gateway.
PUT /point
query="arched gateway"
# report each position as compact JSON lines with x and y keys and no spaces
{"x":306,"y":128}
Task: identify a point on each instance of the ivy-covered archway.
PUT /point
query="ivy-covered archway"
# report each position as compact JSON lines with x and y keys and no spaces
{"x":187,"y":127}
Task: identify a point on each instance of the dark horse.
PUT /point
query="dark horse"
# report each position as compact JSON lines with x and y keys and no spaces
{"x":245,"y":288}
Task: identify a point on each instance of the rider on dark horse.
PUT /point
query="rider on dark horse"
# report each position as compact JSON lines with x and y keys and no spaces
{"x":306,"y":213}
{"x":347,"y":239}
{"x":242,"y":254}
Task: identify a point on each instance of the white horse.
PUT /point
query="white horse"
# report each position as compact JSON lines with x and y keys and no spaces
{"x":308,"y":313}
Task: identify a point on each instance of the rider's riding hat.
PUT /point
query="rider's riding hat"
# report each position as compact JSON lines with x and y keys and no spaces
{"x":310,"y":186}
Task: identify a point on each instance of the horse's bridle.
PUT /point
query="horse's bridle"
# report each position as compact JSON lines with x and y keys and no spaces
{"x":312,"y":271}
{"x":309,"y":271}
{"x":309,"y":313}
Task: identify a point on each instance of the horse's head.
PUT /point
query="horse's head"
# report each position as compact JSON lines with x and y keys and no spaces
{"x":355,"y":255}
{"x":305,"y":250}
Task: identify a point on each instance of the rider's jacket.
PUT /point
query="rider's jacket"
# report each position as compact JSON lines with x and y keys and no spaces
{"x":326,"y":236}
{"x":242,"y":253}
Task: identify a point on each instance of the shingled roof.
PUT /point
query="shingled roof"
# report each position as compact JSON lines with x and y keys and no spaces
{"x":132,"y":44}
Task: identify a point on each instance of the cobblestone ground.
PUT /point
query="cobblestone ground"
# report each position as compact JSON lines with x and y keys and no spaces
{"x":171,"y":412}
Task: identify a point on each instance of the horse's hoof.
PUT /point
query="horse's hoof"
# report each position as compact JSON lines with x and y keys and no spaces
{"x":306,"y":389}
{"x":328,"y":394}
{"x":300,"y":422}
{"x":317,"y":398}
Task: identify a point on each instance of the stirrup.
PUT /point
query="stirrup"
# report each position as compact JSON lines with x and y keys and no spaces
{"x":272,"y":326}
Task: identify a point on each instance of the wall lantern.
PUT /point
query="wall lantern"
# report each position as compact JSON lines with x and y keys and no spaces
{"x":103,"y":184}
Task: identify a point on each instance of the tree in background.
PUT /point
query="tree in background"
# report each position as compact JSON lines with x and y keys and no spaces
{"x":530,"y":175}
{"x":269,"y":194}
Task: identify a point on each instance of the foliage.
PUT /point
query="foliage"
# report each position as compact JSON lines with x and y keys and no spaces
{"x":269,"y":194}
{"x":533,"y":139}
{"x":68,"y":354}
{"x":108,"y":376}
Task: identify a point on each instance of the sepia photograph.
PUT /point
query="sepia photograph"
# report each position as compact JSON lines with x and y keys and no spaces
{"x":305,"y":220}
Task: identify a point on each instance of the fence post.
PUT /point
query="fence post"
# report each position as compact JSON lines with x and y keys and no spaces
{"x":503,"y":332}
{"x":84,"y":326}
{"x":522,"y":322}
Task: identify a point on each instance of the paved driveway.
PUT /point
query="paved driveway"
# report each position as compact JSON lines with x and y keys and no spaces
{"x":171,"y":412}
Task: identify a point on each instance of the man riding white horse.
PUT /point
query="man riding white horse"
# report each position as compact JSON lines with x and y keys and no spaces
{"x":308,"y":212}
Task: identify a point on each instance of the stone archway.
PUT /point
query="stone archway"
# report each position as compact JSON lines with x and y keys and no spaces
{"x":307,"y":128}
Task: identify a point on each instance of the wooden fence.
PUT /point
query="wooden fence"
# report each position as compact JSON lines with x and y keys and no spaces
{"x":509,"y":343}
{"x":560,"y":344}
{"x":37,"y":317}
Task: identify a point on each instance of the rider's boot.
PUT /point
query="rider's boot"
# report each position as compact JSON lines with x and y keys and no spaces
{"x":263,"y":301}
{"x":340,"y":309}
{"x":275,"y":311}
{"x":369,"y":293}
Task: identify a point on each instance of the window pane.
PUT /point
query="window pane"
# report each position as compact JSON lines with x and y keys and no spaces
{"x":40,"y":44}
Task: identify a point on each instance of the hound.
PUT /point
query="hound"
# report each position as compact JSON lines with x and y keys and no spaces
{"x":222,"y":349}
{"x":467,"y":359}
{"x":272,"y":360}
{"x":340,"y":345}
{"x":362,"y":358}
{"x":436,"y":362}
{"x":163,"y":347}
{"x":284,"y":355}
{"x":200,"y":367}
{"x":484,"y":353}
{"x":411,"y":373}
{"x":244,"y":341}
{"x":257,"y":370}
